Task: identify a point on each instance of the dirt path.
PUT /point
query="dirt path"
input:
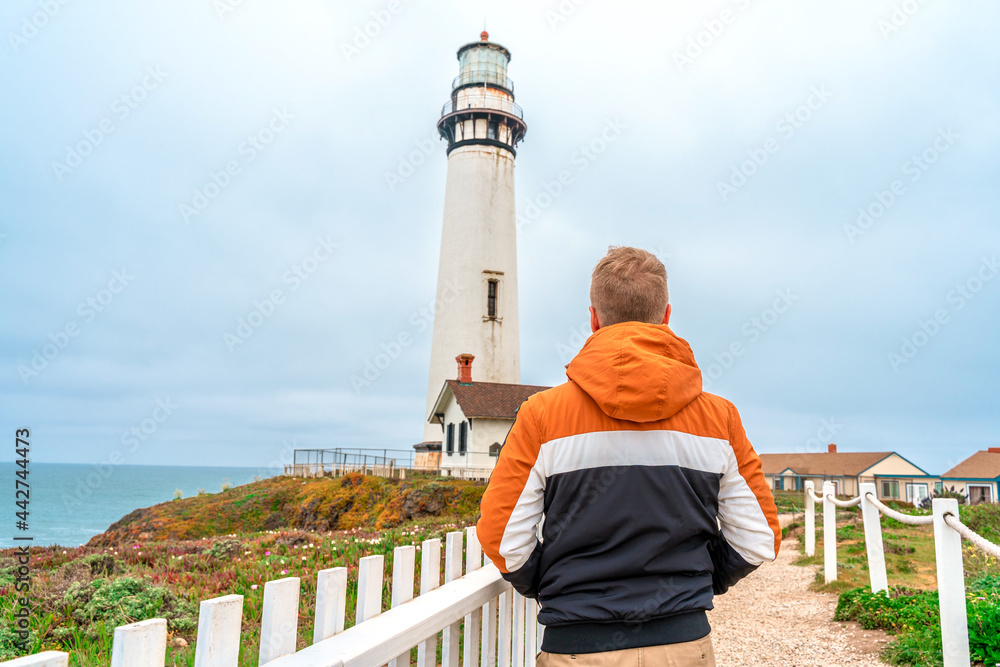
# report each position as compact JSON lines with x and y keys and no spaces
{"x":772,"y":618}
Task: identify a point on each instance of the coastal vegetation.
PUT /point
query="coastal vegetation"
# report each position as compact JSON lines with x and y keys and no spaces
{"x":162,"y":561}
{"x":909,"y":611}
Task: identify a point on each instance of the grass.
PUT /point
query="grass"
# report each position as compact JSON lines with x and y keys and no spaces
{"x":160,"y":562}
{"x":80,"y":595}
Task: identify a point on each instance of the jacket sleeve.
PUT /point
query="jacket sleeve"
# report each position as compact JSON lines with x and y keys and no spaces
{"x":512,"y":506}
{"x":748,"y":518}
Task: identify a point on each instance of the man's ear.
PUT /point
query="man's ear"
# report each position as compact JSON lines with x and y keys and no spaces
{"x":595,"y":324}
{"x":666,"y":316}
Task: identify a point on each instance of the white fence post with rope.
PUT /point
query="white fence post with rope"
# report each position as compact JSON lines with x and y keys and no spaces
{"x":810,"y":517}
{"x":951,"y":585}
{"x":829,"y":533}
{"x":873,"y":539}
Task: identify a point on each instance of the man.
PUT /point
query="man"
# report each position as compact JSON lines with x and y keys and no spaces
{"x":651,"y":494}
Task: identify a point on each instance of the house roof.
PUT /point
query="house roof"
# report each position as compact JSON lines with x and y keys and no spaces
{"x":847,"y":464}
{"x":490,"y":400}
{"x":981,"y":465}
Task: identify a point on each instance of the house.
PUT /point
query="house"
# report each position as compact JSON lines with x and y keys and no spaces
{"x":895,"y":478}
{"x":475,"y":418}
{"x":977,"y":477}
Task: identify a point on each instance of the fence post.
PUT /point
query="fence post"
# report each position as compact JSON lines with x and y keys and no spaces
{"x":430,"y":578}
{"x":452,"y":571}
{"x":218,"y":642}
{"x":331,"y":602}
{"x":873,"y":539}
{"x":280,"y":619}
{"x":473,"y":561}
{"x":829,"y":534}
{"x":810,"y":518}
{"x":370,"y":571}
{"x":43,"y":659}
{"x":403,"y":561}
{"x":142,"y":644}
{"x":951,"y":585}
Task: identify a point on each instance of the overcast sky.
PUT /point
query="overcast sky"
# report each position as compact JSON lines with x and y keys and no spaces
{"x":820,"y":179}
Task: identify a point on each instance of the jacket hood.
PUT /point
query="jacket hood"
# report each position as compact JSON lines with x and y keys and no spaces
{"x":637,"y":372}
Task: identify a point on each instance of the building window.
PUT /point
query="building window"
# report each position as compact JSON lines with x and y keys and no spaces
{"x":491,"y":130}
{"x":890,"y":490}
{"x":779,"y":483}
{"x":979,"y":493}
{"x":463,"y":437}
{"x":492,"y":294}
{"x":938,"y":487}
{"x":450,"y":440}
{"x":495,"y":449}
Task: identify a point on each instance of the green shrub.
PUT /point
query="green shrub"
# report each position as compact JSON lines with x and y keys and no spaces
{"x":914,"y":617}
{"x":114,"y":602}
{"x":983,"y":519}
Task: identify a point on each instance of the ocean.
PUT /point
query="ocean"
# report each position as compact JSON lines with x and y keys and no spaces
{"x":70,"y":503}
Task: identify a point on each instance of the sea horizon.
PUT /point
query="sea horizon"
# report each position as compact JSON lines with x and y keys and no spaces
{"x":72,"y":502}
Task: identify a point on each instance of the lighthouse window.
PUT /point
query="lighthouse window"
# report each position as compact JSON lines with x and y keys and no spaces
{"x":450,"y":445}
{"x":463,"y":437}
{"x":492,"y":288}
{"x":491,"y":130}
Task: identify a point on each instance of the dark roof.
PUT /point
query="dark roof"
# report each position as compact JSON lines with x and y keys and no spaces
{"x":981,"y":465}
{"x":492,"y":400}
{"x":849,"y":464}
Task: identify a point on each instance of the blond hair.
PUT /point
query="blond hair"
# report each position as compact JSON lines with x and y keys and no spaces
{"x":629,"y":285}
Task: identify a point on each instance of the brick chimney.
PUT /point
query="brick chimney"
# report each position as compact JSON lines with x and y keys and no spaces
{"x":831,"y":448}
{"x":465,"y":368}
{"x":994,"y":450}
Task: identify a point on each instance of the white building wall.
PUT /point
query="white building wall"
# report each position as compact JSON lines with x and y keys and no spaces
{"x":478,"y":236}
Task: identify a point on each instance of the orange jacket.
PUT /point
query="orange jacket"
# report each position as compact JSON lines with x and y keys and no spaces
{"x":632,"y":476}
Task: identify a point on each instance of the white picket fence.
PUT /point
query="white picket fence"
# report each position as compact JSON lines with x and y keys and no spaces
{"x":948,"y":534}
{"x":500,"y":626}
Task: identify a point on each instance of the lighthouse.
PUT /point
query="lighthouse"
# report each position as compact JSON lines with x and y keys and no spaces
{"x":476,"y":306}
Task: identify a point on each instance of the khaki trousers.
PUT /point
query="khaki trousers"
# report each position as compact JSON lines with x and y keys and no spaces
{"x":698,"y":653}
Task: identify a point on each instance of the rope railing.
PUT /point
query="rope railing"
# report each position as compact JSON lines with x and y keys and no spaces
{"x":984,"y":544}
{"x":948,"y":534}
{"x":908,"y":519}
{"x":854,"y":502}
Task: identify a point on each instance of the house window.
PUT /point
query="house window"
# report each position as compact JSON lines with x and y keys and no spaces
{"x":779,"y":483}
{"x":979,"y":493}
{"x":495,"y":449}
{"x":492,"y":293}
{"x":890,"y":490}
{"x":450,"y":440}
{"x":938,"y":487}
{"x":491,"y":130}
{"x":463,"y":437}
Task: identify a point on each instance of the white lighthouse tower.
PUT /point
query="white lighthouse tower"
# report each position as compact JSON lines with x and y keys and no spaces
{"x":477,"y":274}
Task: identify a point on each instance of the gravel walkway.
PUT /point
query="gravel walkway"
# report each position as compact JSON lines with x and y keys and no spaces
{"x":772,"y":618}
